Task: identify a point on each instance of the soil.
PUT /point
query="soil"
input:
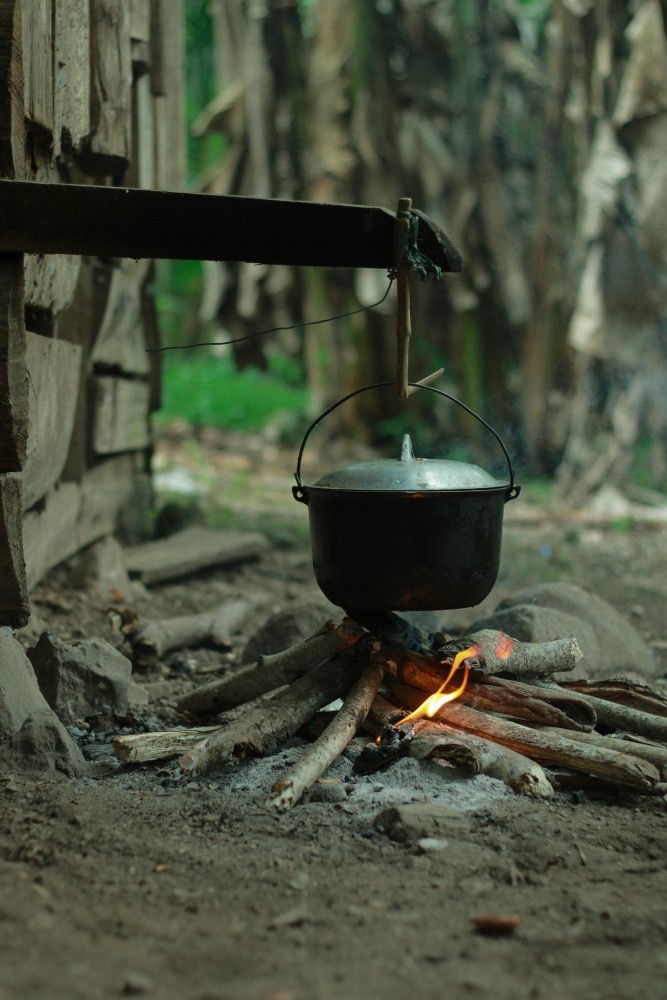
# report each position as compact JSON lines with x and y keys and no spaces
{"x":145,"y":883}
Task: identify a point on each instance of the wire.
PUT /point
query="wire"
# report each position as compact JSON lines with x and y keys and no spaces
{"x":276,"y":329}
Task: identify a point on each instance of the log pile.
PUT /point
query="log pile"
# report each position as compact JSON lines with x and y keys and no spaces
{"x":512,"y":720}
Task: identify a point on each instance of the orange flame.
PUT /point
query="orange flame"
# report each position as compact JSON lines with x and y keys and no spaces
{"x":435,"y":701}
{"x":503,"y":646}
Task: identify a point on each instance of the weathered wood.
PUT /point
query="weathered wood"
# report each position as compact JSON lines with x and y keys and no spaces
{"x":656,"y":755}
{"x":609,"y":713}
{"x":142,"y":170}
{"x":13,"y":376}
{"x":120,"y":414}
{"x":53,"y":368}
{"x":107,"y":151}
{"x":14,"y":603}
{"x":38,"y":65}
{"x":541,"y":745}
{"x":50,"y":280}
{"x":168,"y":51}
{"x":317,"y":757}
{"x":480,"y":756}
{"x":72,"y":74}
{"x":633,"y":694}
{"x":138,"y":748}
{"x":74,"y":515}
{"x":140,"y":20}
{"x":271,"y":671}
{"x":151,"y":640}
{"x":127,"y":222}
{"x":264,"y":728}
{"x":119,"y":343}
{"x":190,"y":551}
{"x":12,"y":118}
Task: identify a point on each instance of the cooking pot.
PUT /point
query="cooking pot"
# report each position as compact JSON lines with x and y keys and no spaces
{"x":406,"y":534}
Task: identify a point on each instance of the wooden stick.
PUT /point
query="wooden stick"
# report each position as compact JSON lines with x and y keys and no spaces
{"x":141,"y":747}
{"x":530,"y":708}
{"x":645,"y":751}
{"x":403,"y":322}
{"x":427,"y":380}
{"x":633,"y":694}
{"x":269,"y":724}
{"x":319,"y":755}
{"x":523,"y":659}
{"x":574,"y":706}
{"x":610,"y":713}
{"x":271,"y":671}
{"x":540,"y":745}
{"x":152,"y":639}
{"x":481,"y":756}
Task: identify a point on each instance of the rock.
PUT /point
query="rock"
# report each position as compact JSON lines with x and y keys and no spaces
{"x":81,"y":678}
{"x":31,"y":735}
{"x":610,"y":644}
{"x":288,"y":626}
{"x":43,"y":744}
{"x":100,"y":571}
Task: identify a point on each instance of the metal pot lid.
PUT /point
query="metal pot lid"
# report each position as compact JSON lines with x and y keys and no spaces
{"x":409,"y":474}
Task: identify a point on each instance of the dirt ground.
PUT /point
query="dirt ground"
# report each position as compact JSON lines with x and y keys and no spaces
{"x":140,"y":883}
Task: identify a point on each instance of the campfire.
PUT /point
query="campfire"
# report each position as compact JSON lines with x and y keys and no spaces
{"x":484,"y":703}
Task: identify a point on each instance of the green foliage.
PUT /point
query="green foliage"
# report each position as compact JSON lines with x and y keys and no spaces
{"x":210,"y":391}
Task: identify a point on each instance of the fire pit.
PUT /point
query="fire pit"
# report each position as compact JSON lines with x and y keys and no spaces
{"x":493,"y":708}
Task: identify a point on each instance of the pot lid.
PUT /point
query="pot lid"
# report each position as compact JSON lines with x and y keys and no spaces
{"x":409,"y":474}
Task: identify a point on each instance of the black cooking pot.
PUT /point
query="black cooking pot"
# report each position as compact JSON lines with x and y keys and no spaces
{"x":408,"y":534}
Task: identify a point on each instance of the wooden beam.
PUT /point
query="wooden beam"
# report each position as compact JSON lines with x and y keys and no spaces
{"x":128,"y":222}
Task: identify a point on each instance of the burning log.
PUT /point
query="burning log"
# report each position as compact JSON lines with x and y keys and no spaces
{"x":490,"y":653}
{"x":319,"y":755}
{"x":481,"y":756}
{"x":151,"y":640}
{"x":542,"y":745}
{"x":272,"y":722}
{"x":272,"y":671}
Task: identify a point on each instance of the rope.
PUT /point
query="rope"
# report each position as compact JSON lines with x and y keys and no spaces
{"x":413,"y":256}
{"x":391,"y":274}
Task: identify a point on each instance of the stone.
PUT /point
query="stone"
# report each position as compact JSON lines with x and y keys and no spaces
{"x":81,"y":678}
{"x":31,"y":735}
{"x":288,"y":626}
{"x":100,"y":570}
{"x":610,"y":644}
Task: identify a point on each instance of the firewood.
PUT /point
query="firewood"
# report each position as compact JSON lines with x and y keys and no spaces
{"x":271,"y":671}
{"x":520,"y":706}
{"x":540,"y":745}
{"x":655,"y":755}
{"x":269,"y":724}
{"x":151,"y":640}
{"x":494,"y":653}
{"x":287,"y":791}
{"x":480,"y":756}
{"x":633,"y":694}
{"x":141,"y":747}
{"x":610,"y":713}
{"x":568,"y":701}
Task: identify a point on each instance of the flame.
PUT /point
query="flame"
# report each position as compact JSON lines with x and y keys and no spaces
{"x":503,"y":646}
{"x":435,"y":701}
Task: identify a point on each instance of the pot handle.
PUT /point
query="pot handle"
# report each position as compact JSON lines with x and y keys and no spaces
{"x":298,"y":491}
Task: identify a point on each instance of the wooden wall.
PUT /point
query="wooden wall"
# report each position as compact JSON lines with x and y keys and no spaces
{"x":91,"y":92}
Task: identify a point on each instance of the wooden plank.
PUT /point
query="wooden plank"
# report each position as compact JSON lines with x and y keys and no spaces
{"x":140,"y":20}
{"x":12,"y":118}
{"x":120,"y":414}
{"x":50,"y":280}
{"x":168,"y":87}
{"x":13,"y":376}
{"x":126,"y":222}
{"x":119,"y":344}
{"x":14,"y":604}
{"x":72,"y":74}
{"x":190,"y":551}
{"x":74,"y":515}
{"x":107,"y":151}
{"x":38,"y":68}
{"x":141,"y":172}
{"x":53,"y":370}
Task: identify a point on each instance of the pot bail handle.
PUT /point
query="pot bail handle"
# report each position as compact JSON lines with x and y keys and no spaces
{"x":298,"y":491}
